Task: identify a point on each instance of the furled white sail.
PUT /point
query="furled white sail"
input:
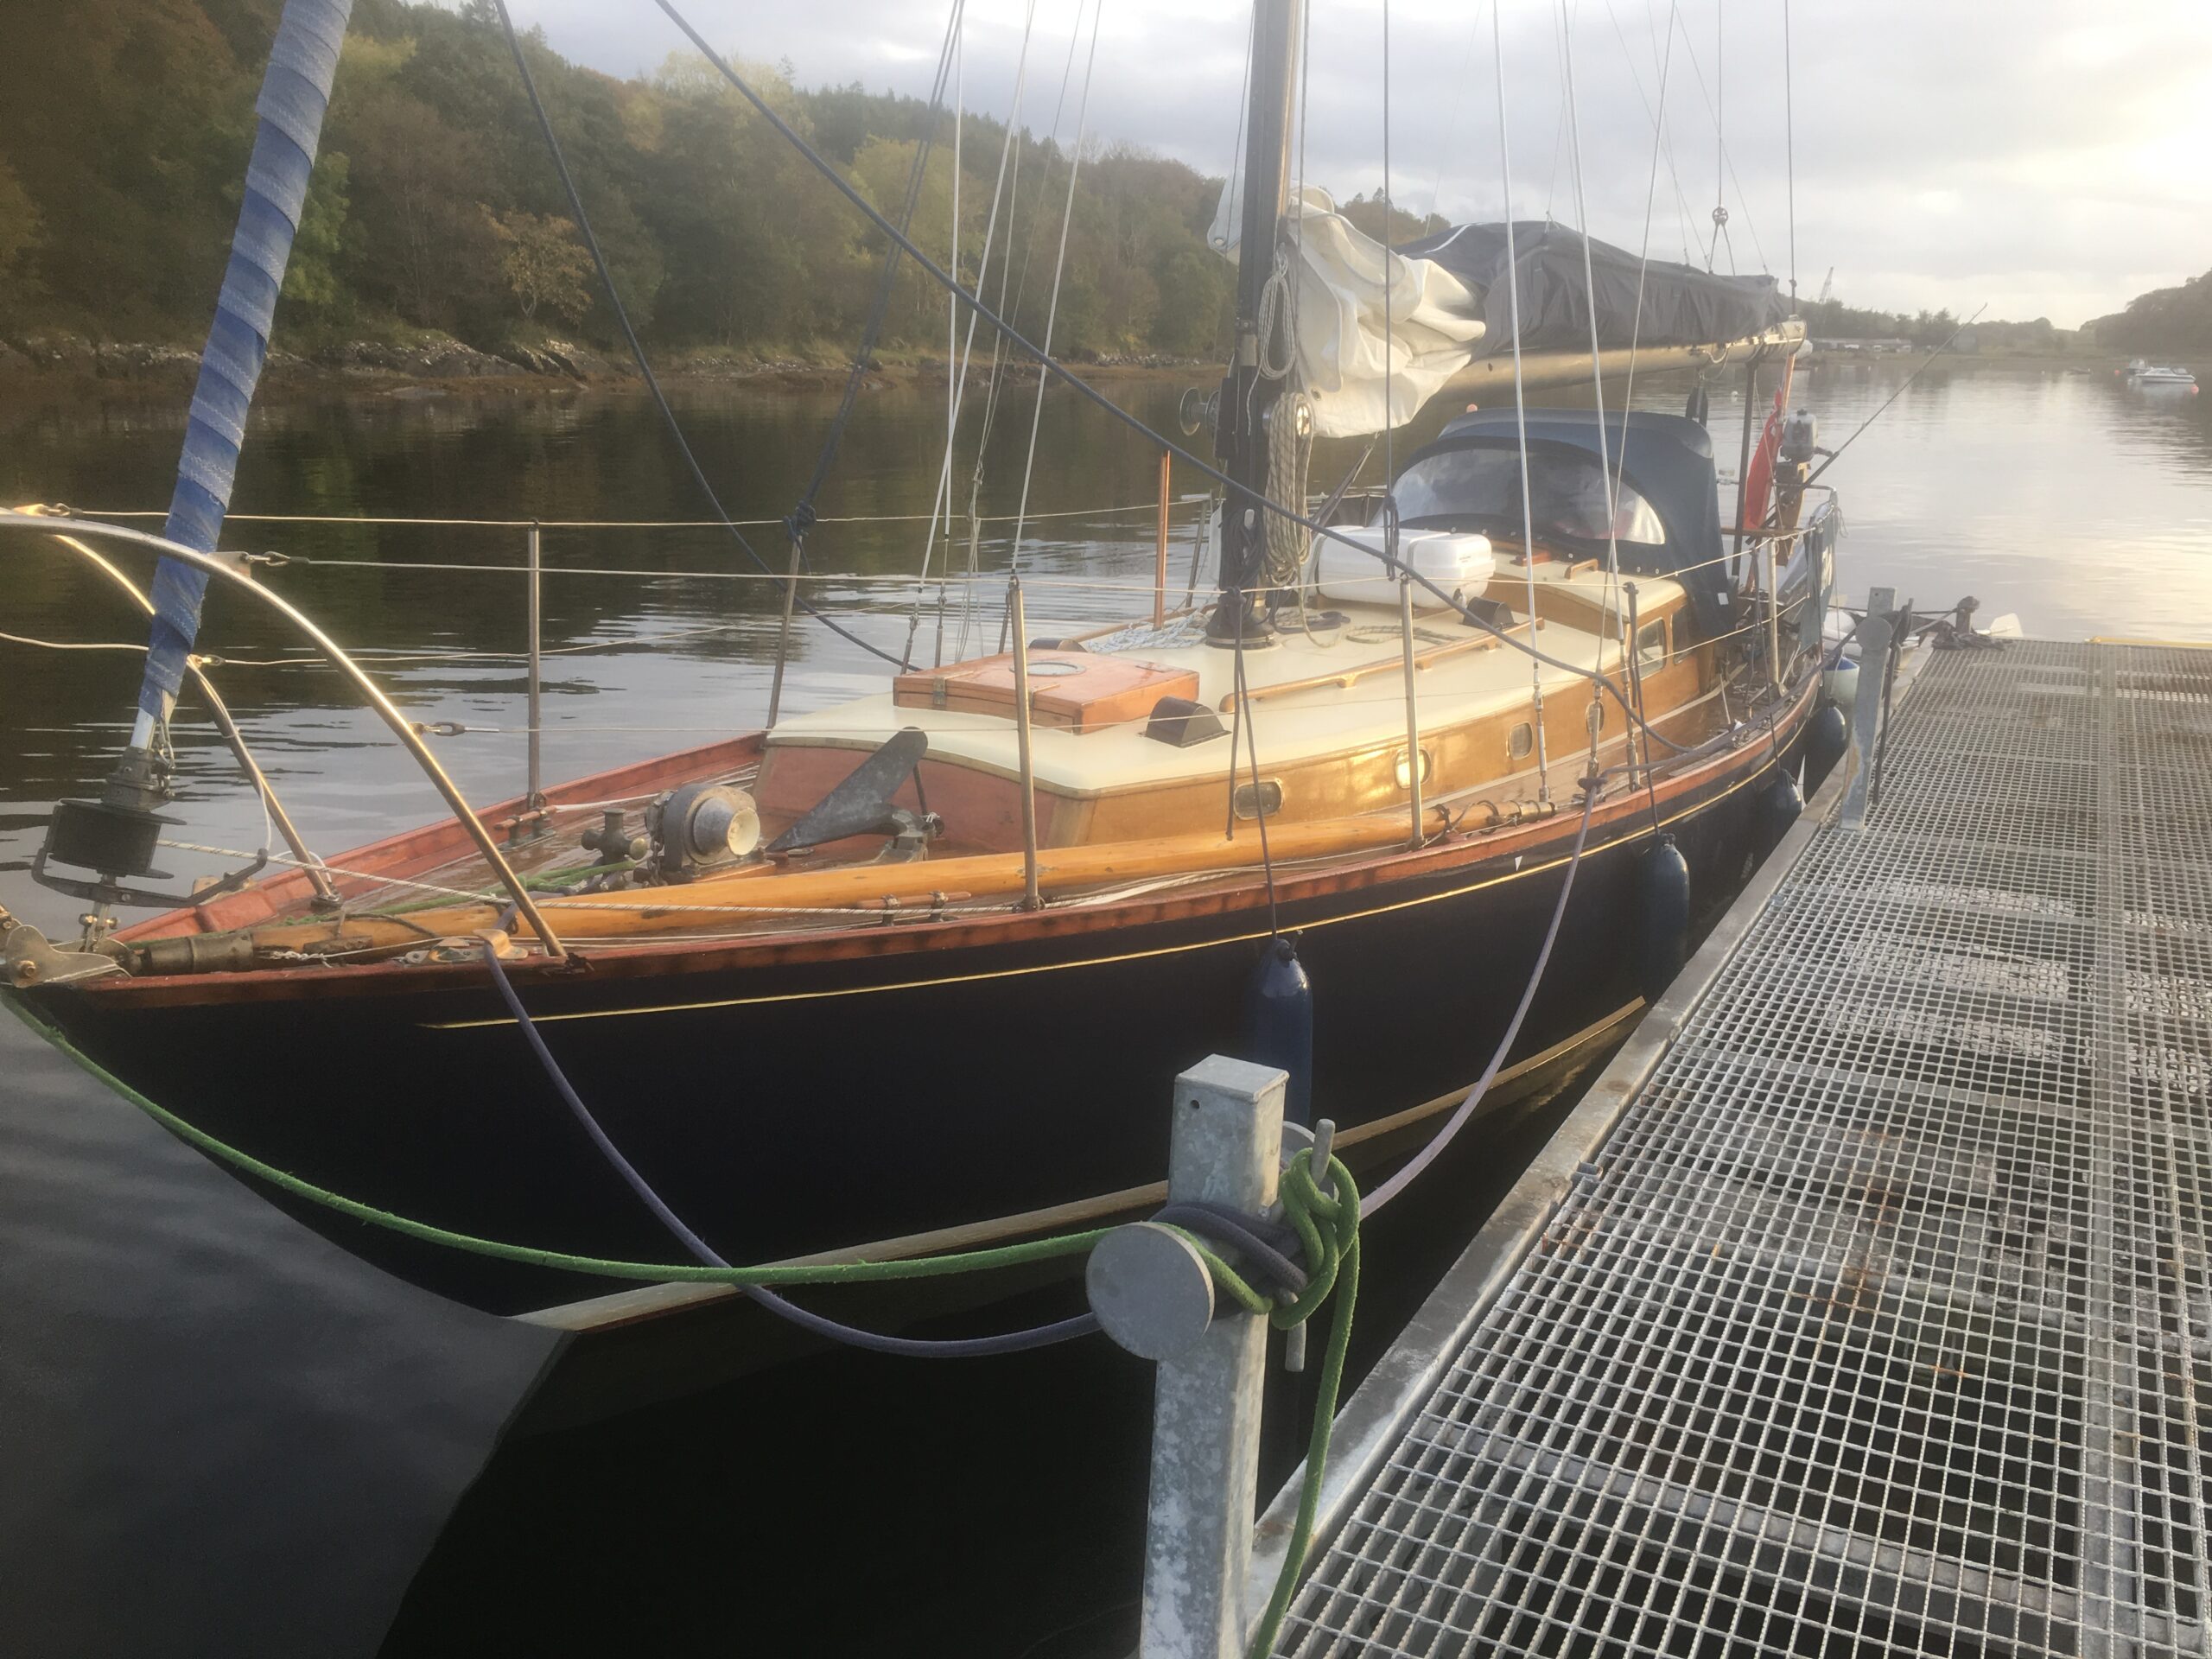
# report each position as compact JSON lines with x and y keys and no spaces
{"x":1358,"y":376}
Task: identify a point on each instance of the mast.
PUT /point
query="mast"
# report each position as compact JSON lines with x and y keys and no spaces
{"x":1247,"y":399}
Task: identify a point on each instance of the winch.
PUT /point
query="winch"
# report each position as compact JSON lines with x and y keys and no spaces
{"x":700,"y":829}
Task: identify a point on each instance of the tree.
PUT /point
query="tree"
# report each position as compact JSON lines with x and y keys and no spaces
{"x":20,"y":231}
{"x":2164,"y":320}
{"x":312,"y":279}
{"x":432,"y":205}
{"x":544,"y":263}
{"x":1195,"y":288}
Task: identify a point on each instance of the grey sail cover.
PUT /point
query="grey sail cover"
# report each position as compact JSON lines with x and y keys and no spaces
{"x":1682,"y":305}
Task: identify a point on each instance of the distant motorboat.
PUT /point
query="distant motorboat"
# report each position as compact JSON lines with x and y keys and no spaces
{"x":2141,"y":373}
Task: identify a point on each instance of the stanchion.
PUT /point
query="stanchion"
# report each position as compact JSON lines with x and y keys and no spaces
{"x":533,"y":812}
{"x":1030,"y":898}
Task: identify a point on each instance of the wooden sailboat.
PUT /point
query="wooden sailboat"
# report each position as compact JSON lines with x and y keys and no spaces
{"x":929,"y":959}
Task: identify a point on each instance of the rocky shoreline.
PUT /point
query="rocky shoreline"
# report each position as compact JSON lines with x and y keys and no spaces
{"x":69,"y":363}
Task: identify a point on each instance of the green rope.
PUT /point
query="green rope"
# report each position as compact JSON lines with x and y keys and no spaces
{"x":1327,"y":1226}
{"x":823,"y":1273}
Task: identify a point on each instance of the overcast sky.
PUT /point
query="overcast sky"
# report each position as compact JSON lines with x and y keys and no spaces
{"x":2047,"y":157}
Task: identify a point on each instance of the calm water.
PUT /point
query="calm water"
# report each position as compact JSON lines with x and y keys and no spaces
{"x":995,"y":1509}
{"x":2081,"y":506}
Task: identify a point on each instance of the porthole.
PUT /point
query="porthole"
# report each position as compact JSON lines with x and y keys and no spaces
{"x":1520,"y":741}
{"x":1403,"y":767}
{"x":1251,"y":801}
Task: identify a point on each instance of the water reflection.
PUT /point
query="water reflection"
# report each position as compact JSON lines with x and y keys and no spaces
{"x":2080,"y":504}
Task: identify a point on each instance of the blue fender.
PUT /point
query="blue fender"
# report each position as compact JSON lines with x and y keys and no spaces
{"x":1278,"y":1023}
{"x":1662,"y":915}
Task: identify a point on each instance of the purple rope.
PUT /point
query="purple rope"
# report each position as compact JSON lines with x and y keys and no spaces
{"x":1009,"y":1342}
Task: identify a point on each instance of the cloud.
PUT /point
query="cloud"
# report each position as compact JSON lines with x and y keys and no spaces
{"x":1946,"y":152}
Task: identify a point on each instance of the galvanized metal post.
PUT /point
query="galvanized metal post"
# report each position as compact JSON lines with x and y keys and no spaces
{"x":784,"y":634}
{"x":1019,"y":617}
{"x":1224,"y":1148}
{"x":534,"y":796}
{"x":1867,"y":712}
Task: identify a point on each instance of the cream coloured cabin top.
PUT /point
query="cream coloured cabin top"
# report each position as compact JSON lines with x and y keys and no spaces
{"x":1300,"y":725}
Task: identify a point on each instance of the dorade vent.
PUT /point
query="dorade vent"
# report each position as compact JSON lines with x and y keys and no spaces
{"x":1069,"y":691}
{"x":1181,"y":722}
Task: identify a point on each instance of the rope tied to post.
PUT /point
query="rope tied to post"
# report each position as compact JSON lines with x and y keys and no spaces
{"x":1327,"y":1227}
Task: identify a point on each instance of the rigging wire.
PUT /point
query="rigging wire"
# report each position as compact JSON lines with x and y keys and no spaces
{"x":951,"y":331}
{"x":1059,"y":269}
{"x":1836,"y":454}
{"x":1597,"y":370}
{"x":1002,"y":359}
{"x":1389,"y":409}
{"x":1674,"y":168}
{"x":1728,"y":162}
{"x":959,"y":391}
{"x":802,"y":516}
{"x":1259,"y":793}
{"x":637,"y":346}
{"x":1789,"y":149}
{"x":1644,"y":261}
{"x":1719,"y":140}
{"x":1519,"y":397}
{"x":1258,"y":501}
{"x":1451,"y":124}
{"x":1590,"y":289}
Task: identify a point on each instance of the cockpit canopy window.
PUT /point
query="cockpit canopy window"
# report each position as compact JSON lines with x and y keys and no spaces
{"x":1479,"y":488}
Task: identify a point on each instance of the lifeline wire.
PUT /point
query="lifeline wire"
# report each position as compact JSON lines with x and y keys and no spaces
{"x":638,"y":350}
{"x":1012,"y":1342}
{"x":1429,"y":1154}
{"x":1047,"y":364}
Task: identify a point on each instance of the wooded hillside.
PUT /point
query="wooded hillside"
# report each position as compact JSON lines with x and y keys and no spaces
{"x":124,"y":127}
{"x":2165,"y":319}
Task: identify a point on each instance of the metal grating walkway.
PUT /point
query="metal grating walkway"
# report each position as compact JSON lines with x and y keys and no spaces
{"x":1881,"y":1321}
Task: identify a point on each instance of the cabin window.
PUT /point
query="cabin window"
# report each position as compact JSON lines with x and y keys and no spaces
{"x":1520,"y":741}
{"x":1252,"y":800}
{"x":1651,"y":643}
{"x":1405,"y":770}
{"x":1479,"y":488}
